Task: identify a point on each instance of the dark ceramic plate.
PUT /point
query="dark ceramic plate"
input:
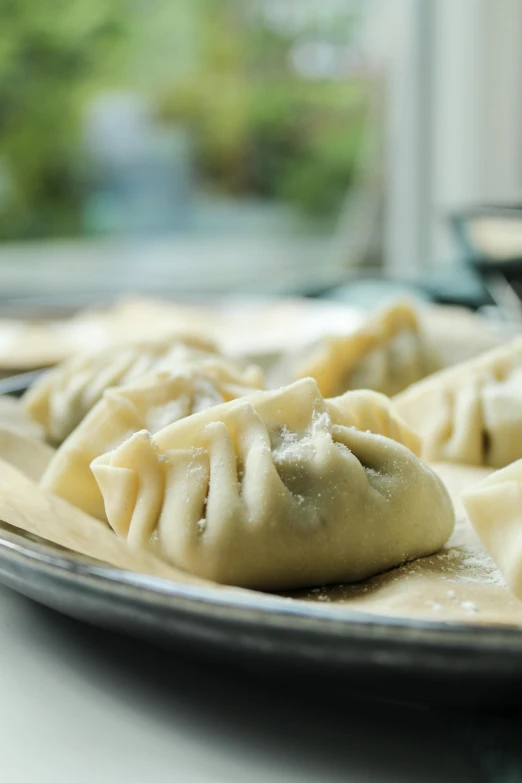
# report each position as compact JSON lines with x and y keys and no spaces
{"x":406,"y":660}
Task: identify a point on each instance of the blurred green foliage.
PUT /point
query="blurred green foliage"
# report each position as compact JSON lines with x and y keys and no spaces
{"x":53,"y":54}
{"x":258,"y":128}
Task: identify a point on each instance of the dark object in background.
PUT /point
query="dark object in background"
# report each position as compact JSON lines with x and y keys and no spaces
{"x":490,"y":238}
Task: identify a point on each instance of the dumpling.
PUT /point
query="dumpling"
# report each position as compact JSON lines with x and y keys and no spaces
{"x":62,"y":397}
{"x":152,"y":402}
{"x":279,"y":490}
{"x":13,"y":416}
{"x":387,"y":354}
{"x":494,"y":508}
{"x":470,"y":413}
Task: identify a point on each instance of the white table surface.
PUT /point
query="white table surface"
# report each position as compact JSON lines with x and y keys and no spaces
{"x":83,"y":705}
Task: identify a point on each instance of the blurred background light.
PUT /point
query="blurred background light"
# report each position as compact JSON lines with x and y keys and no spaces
{"x":222,"y":129}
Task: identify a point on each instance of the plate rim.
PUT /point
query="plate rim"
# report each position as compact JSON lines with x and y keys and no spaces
{"x":241,"y":604}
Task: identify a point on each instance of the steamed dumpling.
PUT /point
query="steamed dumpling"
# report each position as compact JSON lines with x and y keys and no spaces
{"x":470,"y":413}
{"x":386,"y":354}
{"x":62,"y":397}
{"x":279,"y":490}
{"x":494,"y":508}
{"x":152,"y":402}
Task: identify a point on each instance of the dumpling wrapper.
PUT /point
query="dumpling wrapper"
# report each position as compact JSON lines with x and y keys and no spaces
{"x":153,"y":402}
{"x":21,"y":441}
{"x":30,"y":455}
{"x":494,"y":508}
{"x":470,"y":413}
{"x":388,"y":353}
{"x":460,"y":334}
{"x":62,"y":397}
{"x":280,"y":490}
{"x":14,"y":417}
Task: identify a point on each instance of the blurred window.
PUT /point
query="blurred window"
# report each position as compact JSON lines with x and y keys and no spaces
{"x":344,"y":129}
{"x":147,"y":116}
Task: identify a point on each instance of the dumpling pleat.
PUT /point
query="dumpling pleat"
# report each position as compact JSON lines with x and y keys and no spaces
{"x":182,"y":521}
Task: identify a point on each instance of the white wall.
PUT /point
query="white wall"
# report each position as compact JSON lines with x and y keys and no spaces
{"x":409,"y":66}
{"x":477,"y":95}
{"x":455,"y":126}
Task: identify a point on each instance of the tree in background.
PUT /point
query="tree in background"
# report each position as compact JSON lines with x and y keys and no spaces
{"x":266,"y":116}
{"x":53,"y":55}
{"x":266,"y":88}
